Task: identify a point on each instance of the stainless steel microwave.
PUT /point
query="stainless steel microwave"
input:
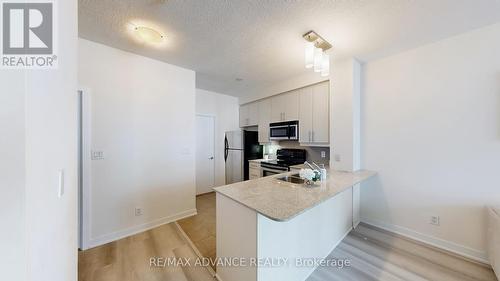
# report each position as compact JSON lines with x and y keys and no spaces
{"x":284,"y":131}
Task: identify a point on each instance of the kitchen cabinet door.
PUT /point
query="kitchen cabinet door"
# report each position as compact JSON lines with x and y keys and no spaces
{"x":291,"y":102}
{"x":277,"y":108}
{"x":321,"y":113}
{"x":305,"y":115}
{"x":253,"y":114}
{"x":264,"y":120}
{"x":249,"y":114}
{"x":244,"y":111}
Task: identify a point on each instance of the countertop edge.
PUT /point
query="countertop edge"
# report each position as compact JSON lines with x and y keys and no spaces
{"x":373,"y":173}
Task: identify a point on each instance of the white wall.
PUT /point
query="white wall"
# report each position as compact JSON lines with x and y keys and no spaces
{"x":226,"y":111}
{"x":345,"y":105}
{"x":38,"y":234}
{"x":143,"y":118}
{"x":431,"y":128}
{"x":12,"y":175}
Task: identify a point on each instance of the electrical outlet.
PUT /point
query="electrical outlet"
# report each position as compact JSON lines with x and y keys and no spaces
{"x":323,"y":154}
{"x":138,"y":212}
{"x":434,"y":220}
{"x":337,"y":157}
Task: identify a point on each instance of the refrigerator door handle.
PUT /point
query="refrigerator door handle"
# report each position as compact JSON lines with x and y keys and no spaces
{"x":226,"y":148}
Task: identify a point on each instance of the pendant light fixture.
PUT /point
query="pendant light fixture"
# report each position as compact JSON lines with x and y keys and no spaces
{"x":318,"y":59}
{"x":315,"y":53}
{"x":325,"y":66}
{"x":309,"y":54}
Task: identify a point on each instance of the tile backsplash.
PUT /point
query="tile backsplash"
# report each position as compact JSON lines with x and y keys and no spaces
{"x":313,"y":153}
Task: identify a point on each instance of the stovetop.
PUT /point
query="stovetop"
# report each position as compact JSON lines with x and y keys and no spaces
{"x":287,"y":157}
{"x":282,"y":163}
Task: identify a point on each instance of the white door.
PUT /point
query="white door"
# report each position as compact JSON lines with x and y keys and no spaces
{"x":205,"y":154}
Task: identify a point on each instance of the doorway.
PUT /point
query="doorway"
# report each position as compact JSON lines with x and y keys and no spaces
{"x":205,"y":153}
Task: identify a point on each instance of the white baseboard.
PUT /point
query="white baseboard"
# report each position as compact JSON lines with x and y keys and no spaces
{"x":107,"y":238}
{"x":331,"y":250}
{"x":458,"y":249}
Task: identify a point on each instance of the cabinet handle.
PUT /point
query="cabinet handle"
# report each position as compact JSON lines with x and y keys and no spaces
{"x":309,"y":136}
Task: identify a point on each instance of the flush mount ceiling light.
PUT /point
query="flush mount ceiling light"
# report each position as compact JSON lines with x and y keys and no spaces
{"x":315,"y":53}
{"x":148,"y":34}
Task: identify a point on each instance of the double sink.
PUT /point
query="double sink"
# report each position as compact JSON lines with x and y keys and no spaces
{"x":294,"y":178}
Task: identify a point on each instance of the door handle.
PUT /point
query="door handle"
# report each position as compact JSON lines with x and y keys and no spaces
{"x":211,"y":158}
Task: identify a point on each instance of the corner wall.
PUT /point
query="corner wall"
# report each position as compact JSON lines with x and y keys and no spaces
{"x":143,"y":119}
{"x":38,"y":121}
{"x":431,"y":129}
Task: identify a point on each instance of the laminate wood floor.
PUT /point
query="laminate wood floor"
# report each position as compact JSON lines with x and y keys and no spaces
{"x":374,"y":254}
{"x":379,"y":255}
{"x":128,"y":259}
{"x":201,"y":228}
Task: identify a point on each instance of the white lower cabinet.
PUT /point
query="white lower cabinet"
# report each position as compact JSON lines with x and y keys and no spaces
{"x":254,"y":171}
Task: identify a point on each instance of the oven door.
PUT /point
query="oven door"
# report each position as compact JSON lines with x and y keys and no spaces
{"x":270,"y":171}
{"x":279,"y":132}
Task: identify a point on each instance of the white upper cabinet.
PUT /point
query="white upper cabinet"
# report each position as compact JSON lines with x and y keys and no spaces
{"x":285,"y":107}
{"x":264,"y":120}
{"x":321,"y":113}
{"x":314,"y":115}
{"x":305,"y":115}
{"x":249,"y":114}
{"x":243,"y":115}
{"x":292,"y":106}
{"x":309,"y":105}
{"x":277,"y":108}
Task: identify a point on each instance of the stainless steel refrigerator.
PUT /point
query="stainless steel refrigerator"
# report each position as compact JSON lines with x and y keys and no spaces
{"x":239,"y":147}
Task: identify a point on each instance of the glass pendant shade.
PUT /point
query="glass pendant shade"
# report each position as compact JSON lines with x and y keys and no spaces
{"x":325,"y":65}
{"x":318,"y":59}
{"x":309,"y":54}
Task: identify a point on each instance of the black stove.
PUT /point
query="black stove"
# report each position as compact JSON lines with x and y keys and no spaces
{"x":286,"y":157}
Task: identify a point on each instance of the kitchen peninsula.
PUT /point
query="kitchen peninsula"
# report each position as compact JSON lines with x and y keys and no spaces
{"x":267,"y":218}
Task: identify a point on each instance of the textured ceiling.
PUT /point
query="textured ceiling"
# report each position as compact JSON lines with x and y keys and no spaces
{"x":260,"y":40}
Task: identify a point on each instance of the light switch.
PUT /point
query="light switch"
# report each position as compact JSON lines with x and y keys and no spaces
{"x":97,"y":155}
{"x":60,"y":188}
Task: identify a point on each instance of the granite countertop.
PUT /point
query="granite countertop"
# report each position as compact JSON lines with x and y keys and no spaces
{"x":302,"y":166}
{"x":281,"y":201}
{"x":260,"y":160}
